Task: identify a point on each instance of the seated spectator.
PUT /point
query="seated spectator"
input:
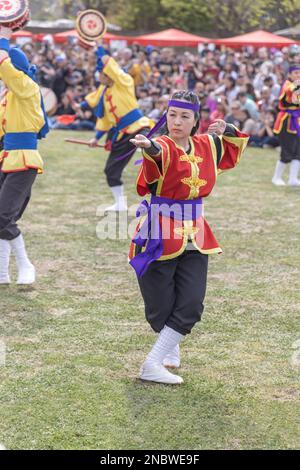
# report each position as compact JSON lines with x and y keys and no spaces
{"x":62,"y":74}
{"x":140,"y":70}
{"x":221,"y":110}
{"x":144,"y":101}
{"x":264,"y":136}
{"x":248,"y":124}
{"x":160,"y":108}
{"x":205,"y":120}
{"x":248,"y":104}
{"x":70,"y":116}
{"x":229,"y":89}
{"x":274,"y":87}
{"x":266,"y":100}
{"x":235,"y":114}
{"x":66,"y":105}
{"x":250,"y":92}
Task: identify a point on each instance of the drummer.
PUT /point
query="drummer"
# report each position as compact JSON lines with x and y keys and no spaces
{"x":116,"y":108}
{"x":22,"y":122}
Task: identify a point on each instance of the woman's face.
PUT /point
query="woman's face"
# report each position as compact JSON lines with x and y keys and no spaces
{"x":295,"y":75}
{"x":180,"y":122}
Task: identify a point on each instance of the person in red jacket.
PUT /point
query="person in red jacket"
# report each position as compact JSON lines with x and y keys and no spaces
{"x":170,"y":248}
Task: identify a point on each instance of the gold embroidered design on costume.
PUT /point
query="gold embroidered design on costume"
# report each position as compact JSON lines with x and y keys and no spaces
{"x":191,"y":159}
{"x":194,"y":183}
{"x":186,"y":231}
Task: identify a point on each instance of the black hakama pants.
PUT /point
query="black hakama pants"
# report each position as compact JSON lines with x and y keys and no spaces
{"x":174,"y":290}
{"x":290,"y":145}
{"x":15,"y":192}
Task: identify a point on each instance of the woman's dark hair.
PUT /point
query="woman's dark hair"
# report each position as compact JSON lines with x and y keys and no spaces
{"x":190,"y":97}
{"x":247,"y":114}
{"x":232,"y":80}
{"x":250,"y":90}
{"x":273,"y":112}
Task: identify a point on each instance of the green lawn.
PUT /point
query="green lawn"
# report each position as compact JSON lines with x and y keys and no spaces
{"x":76,"y":341}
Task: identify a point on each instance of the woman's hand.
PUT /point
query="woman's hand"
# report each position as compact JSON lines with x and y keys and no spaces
{"x":296,"y":83}
{"x":76,"y":106}
{"x":217,"y":127}
{"x":296,"y":93}
{"x":141,"y":141}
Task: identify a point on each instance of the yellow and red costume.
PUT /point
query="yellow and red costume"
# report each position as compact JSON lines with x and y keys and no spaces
{"x":22,"y":122}
{"x":20,"y":114}
{"x":177,"y":175}
{"x":116,"y":109}
{"x":115,"y":102}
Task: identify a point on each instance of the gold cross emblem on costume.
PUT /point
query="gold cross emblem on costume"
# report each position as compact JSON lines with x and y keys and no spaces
{"x":194,"y":183}
{"x":186,"y":231}
{"x":191,"y":159}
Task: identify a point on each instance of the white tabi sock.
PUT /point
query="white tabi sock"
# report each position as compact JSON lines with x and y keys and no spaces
{"x":26,"y":270}
{"x":279,"y":169}
{"x":172,"y":359}
{"x":5,"y":251}
{"x":166,"y":342}
{"x":294,"y":170}
{"x":120,"y":199}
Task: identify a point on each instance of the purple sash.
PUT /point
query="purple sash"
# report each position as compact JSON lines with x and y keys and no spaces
{"x":295,"y":115}
{"x":150,"y":232}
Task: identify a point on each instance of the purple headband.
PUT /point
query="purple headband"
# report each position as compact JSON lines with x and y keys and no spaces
{"x":291,"y":69}
{"x":183,"y":104}
{"x":174,"y":103}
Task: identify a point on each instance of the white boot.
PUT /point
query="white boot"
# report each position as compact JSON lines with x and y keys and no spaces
{"x":153,"y":369}
{"x":294,"y":170}
{"x":5,"y":251}
{"x":277,"y":178}
{"x":172,"y":360}
{"x":120,"y":200}
{"x":26,"y":270}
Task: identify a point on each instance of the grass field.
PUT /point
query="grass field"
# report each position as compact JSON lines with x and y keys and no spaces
{"x":74,"y":343}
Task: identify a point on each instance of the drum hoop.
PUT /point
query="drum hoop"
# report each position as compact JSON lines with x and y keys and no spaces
{"x":78,"y":24}
{"x":48,"y":91}
{"x":87,"y":42}
{"x":24,"y":10}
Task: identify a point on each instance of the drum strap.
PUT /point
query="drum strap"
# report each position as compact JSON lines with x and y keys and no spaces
{"x":45,"y":129}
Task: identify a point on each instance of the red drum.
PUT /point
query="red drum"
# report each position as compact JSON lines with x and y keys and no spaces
{"x":91,"y":25}
{"x":14,"y":14}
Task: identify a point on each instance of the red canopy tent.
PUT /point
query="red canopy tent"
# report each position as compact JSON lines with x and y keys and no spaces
{"x":256,"y":39}
{"x":63,"y":37}
{"x":22,"y":34}
{"x":171,"y":37}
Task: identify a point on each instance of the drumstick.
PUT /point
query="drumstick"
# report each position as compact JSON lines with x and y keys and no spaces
{"x":82,"y":142}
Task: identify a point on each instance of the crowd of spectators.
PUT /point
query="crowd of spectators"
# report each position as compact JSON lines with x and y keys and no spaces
{"x":240,"y":86}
